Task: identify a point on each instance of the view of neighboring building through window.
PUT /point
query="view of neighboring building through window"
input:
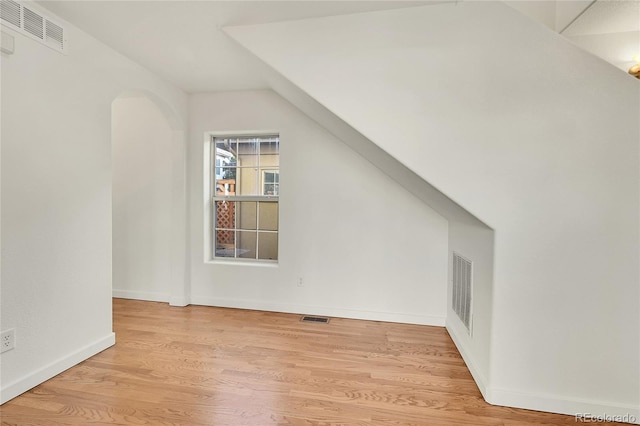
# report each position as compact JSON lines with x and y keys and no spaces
{"x":245,"y":197}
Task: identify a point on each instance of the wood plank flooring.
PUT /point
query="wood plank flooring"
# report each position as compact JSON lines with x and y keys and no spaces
{"x":214,"y":366}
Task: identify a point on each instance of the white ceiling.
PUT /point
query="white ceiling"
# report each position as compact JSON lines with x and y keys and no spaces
{"x":182,"y":41}
{"x":610,"y":30}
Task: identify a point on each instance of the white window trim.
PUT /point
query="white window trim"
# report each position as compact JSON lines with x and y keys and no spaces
{"x":209,"y":183}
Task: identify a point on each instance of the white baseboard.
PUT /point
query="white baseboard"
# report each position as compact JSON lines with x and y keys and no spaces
{"x":560,"y":405}
{"x":478,"y":377}
{"x":178,"y":301}
{"x":589,"y":410}
{"x":149,"y":296}
{"x":319,"y":310}
{"x":43,"y":374}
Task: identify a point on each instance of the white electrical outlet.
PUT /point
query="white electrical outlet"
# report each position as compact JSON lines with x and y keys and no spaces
{"x":300,"y":282}
{"x":7,"y":340}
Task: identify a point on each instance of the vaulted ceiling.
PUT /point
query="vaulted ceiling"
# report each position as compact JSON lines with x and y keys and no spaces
{"x":182,"y":41}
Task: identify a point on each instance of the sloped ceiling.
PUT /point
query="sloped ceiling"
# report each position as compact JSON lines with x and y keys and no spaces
{"x":531,"y":135}
{"x":182,"y":41}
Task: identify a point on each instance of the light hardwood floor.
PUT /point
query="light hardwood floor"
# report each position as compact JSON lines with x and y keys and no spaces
{"x":213,"y":366}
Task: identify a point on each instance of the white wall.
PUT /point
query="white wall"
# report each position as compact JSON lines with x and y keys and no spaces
{"x":531,"y":135}
{"x":142,"y":172}
{"x":56,"y":201}
{"x":476,"y":242}
{"x":364,"y":247}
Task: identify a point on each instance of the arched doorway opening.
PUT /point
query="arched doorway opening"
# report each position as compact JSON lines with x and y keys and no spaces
{"x":148,"y":200}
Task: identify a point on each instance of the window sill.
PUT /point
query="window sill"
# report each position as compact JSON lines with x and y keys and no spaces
{"x":267,"y":264}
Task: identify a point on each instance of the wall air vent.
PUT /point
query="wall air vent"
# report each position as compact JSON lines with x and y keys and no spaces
{"x":33,"y":23}
{"x":10,"y":13}
{"x":29,"y":21}
{"x":55,"y":35}
{"x":462,"y":289}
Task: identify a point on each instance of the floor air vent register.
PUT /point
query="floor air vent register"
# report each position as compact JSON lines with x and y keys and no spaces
{"x":307,"y":318}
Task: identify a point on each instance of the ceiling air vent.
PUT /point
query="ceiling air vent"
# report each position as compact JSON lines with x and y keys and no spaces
{"x":462,"y":289}
{"x":10,"y":12}
{"x":29,"y":21}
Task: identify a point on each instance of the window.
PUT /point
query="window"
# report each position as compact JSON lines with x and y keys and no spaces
{"x":245,"y":188}
{"x":270,"y":182}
